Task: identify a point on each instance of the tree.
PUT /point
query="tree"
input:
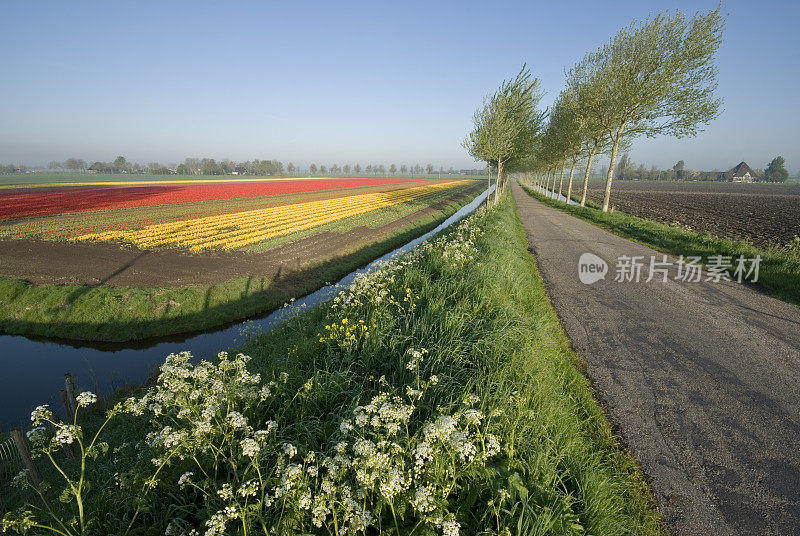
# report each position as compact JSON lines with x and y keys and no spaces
{"x":346,"y":169}
{"x":776,"y":170}
{"x":55,"y":165}
{"x":404,"y":169}
{"x":393,"y":169}
{"x":323,"y":170}
{"x":313,"y":169}
{"x":290,"y":169}
{"x":584,"y":83}
{"x":624,"y":166}
{"x":226,"y":166}
{"x":657,"y":77}
{"x":121,"y":165}
{"x":183,"y":169}
{"x":75,"y":164}
{"x":504,"y":124}
{"x":678,"y":169}
{"x":357,"y":168}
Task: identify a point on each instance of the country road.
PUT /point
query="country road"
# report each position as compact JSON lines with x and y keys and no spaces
{"x":701,"y":380}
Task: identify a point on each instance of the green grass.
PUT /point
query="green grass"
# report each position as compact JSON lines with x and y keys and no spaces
{"x":779,"y":272}
{"x":490,"y":331}
{"x":118,"y":314}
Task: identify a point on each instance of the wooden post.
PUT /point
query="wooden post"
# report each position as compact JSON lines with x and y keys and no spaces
{"x":21,"y":442}
{"x":68,"y":409}
{"x":70,"y":386}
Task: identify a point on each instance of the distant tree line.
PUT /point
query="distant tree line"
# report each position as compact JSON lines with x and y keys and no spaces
{"x":380,"y":169}
{"x":628,"y":170}
{"x":210,"y":166}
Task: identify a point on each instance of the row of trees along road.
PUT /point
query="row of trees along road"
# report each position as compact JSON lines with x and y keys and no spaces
{"x":507,"y":128}
{"x":655,"y":77}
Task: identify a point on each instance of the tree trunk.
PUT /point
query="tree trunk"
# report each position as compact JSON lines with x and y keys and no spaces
{"x":569,"y":185}
{"x":560,"y":184}
{"x":614,"y":150}
{"x":586,"y":176}
{"x":497,"y":181}
{"x":547,"y":184}
{"x":489,"y":183}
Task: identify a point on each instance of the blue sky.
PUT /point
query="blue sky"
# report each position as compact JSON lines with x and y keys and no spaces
{"x":346,"y":82}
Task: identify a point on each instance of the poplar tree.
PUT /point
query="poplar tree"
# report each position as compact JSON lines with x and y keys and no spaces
{"x":656,"y":77}
{"x":506,"y":126}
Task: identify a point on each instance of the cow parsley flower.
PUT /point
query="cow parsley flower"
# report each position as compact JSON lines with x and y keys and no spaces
{"x":186,"y":478}
{"x":86,"y":398}
{"x":67,"y":433}
{"x":41,"y":413}
{"x":237,"y":420}
{"x":289,"y":449}
{"x":450,"y":527}
{"x":250,"y":447}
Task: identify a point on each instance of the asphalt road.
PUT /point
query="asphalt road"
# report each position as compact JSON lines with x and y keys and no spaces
{"x":700,"y":379}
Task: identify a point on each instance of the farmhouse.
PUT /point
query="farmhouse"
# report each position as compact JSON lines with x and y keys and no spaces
{"x":739,"y":173}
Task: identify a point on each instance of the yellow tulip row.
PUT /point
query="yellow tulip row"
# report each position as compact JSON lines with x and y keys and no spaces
{"x":231,"y":231}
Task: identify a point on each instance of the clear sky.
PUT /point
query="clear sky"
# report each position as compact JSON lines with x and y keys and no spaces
{"x":346,"y":82}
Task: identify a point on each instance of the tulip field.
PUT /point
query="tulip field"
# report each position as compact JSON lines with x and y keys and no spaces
{"x":202,"y":216}
{"x":233,"y":231}
{"x":118,"y":261}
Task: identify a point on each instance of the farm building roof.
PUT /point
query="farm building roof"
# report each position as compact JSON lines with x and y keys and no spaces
{"x":739,"y":170}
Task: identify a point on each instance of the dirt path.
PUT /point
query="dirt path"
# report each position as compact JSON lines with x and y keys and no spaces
{"x":700,"y":379}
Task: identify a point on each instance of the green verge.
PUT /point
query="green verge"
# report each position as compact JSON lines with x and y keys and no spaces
{"x":779,"y":272}
{"x":119,"y":314}
{"x":479,"y":306}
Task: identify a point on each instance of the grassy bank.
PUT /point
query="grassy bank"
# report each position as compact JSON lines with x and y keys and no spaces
{"x":779,"y":271}
{"x":117,"y":314}
{"x":437,"y":396}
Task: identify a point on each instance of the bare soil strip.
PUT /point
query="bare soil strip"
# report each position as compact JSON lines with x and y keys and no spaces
{"x":700,"y":379}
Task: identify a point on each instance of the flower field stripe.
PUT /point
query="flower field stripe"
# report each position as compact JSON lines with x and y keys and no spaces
{"x":199,"y":234}
{"x":200,"y":230}
{"x":231,"y":231}
{"x":333,"y":212}
{"x":153,"y":182}
{"x":255,"y":226}
{"x":48,"y":202}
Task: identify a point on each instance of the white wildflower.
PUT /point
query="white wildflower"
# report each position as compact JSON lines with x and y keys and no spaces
{"x":67,"y":433}
{"x":289,"y":449}
{"x":450,"y":527}
{"x":186,"y":478}
{"x":225,"y":492}
{"x":249,"y":488}
{"x":237,"y":420}
{"x":86,"y":398}
{"x":250,"y":447}
{"x":41,"y":413}
{"x":423,"y":500}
